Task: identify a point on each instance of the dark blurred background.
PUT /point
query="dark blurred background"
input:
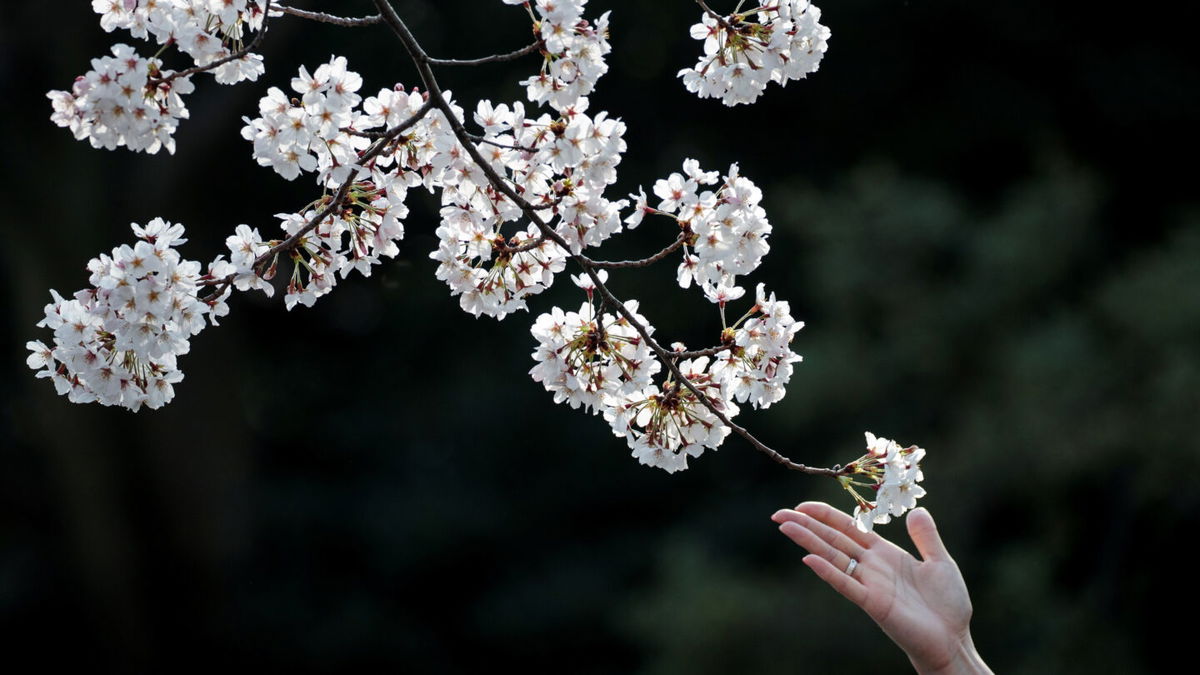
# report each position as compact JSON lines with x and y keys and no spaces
{"x":985,"y":212}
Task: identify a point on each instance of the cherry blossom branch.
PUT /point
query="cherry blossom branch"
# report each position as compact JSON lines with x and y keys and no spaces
{"x":336,"y":202}
{"x":241,"y":53}
{"x":145,"y":365}
{"x":495,"y":58}
{"x":423,"y":62}
{"x":293,"y":241}
{"x":644,"y":262}
{"x":340,"y":196}
{"x":671,"y":365}
{"x":348,"y":22}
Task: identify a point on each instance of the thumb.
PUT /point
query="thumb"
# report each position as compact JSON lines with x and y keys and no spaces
{"x":925,"y":535}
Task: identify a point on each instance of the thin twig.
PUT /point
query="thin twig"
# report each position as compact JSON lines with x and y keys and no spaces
{"x":422,"y":61}
{"x":494,"y":58}
{"x":644,"y":262}
{"x":550,"y":204}
{"x":527,"y":246}
{"x":363,"y":134}
{"x":348,"y":22}
{"x":155,"y":82}
{"x":720,"y":19}
{"x":697,"y":353}
{"x":223,"y":283}
{"x":481,"y":139}
{"x":599,"y":316}
{"x":294,"y":240}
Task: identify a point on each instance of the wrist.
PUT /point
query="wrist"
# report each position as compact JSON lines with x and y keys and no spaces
{"x":964,"y":660}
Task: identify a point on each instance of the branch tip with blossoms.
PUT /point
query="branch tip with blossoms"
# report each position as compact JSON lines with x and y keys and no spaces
{"x":129,"y":100}
{"x":891,"y":473}
{"x":241,"y":54}
{"x":779,"y":41}
{"x":547,"y":169}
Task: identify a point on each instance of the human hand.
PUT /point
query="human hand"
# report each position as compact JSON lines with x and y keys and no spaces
{"x":922,"y":605}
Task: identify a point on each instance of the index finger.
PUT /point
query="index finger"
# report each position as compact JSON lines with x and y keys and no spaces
{"x":839,"y":521}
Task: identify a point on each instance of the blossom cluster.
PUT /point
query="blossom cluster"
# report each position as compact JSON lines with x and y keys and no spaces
{"x":329,"y":132}
{"x":785,"y":42}
{"x":600,"y":363}
{"x":586,"y":359}
{"x":758,"y":364}
{"x":354,"y":238}
{"x":129,"y":100}
{"x":205,"y":30}
{"x":573,"y":53}
{"x":560,"y":163}
{"x":666,"y":425}
{"x":115,"y":105}
{"x":313,"y":133}
{"x":490,"y":274}
{"x":727,"y":227}
{"x":893,"y":473}
{"x":117,"y":342}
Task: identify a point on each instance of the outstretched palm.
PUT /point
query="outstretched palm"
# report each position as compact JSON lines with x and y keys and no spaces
{"x":921,"y":604}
